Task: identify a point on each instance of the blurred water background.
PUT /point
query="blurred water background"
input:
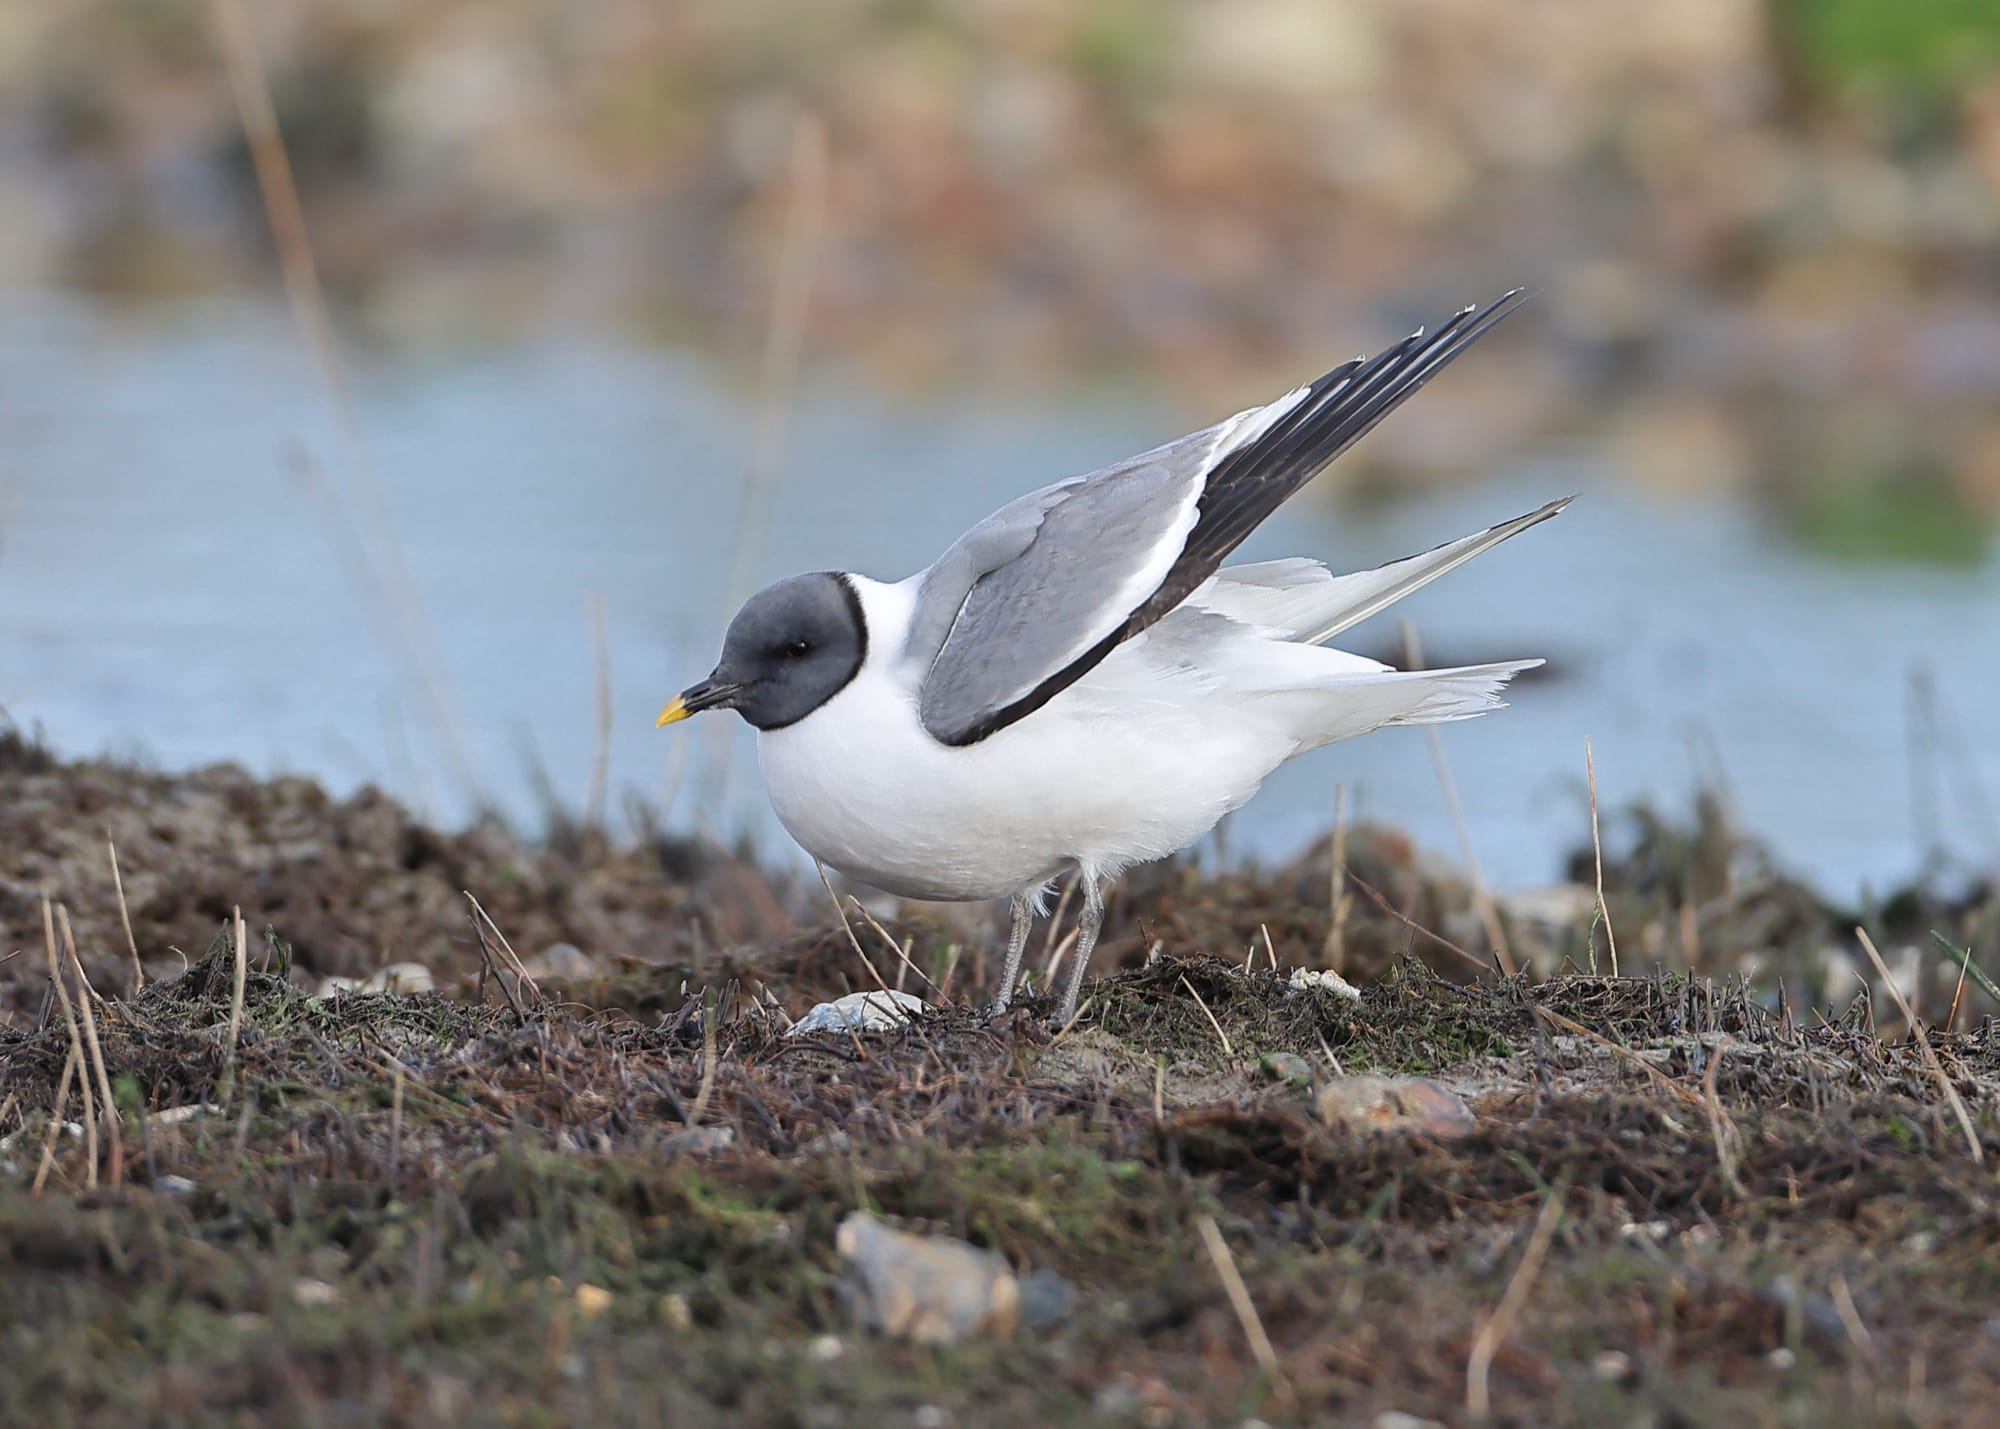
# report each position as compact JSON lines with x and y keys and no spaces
{"x":1024,"y":239}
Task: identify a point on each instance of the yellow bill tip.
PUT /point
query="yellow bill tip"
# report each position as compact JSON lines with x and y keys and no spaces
{"x":675,"y":711}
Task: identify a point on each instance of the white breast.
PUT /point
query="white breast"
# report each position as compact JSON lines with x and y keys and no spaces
{"x":1115,"y":771}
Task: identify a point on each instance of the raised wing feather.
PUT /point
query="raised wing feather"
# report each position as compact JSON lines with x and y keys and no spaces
{"x":1037,"y":594}
{"x":1094,"y":555}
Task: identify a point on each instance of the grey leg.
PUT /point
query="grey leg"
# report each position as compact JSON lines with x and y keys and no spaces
{"x":1087,"y":928}
{"x":1017,"y":943}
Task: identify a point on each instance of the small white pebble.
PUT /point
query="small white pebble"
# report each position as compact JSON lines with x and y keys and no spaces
{"x":310,"y":1292}
{"x":825,"y":1349}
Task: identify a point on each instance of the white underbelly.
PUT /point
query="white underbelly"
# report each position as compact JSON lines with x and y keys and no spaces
{"x":865,"y":790}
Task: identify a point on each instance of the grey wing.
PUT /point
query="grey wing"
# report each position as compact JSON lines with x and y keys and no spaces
{"x":1042,"y":583}
{"x":1031,"y":599}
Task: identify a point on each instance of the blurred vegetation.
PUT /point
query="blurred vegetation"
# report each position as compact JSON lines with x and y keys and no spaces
{"x":1732,"y":209}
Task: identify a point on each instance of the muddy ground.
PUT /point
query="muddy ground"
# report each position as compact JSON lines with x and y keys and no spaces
{"x":612,"y":1197}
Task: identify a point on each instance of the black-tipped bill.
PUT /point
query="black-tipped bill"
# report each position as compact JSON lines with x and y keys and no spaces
{"x":707,"y":695}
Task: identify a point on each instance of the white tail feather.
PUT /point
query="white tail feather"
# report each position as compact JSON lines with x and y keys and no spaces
{"x":1310,"y":605}
{"x":1344,"y":706}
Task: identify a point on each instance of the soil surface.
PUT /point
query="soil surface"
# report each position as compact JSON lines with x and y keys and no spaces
{"x":610,"y":1194}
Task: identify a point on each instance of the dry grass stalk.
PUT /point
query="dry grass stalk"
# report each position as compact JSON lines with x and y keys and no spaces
{"x":113,"y":1129}
{"x":1623,"y":1053}
{"x":1850,"y":1318}
{"x":1957,"y":995}
{"x":784,"y":341}
{"x":901,"y":951}
{"x":241,"y":938}
{"x":600,"y":764}
{"x":1245,"y":1308}
{"x":125,"y":917}
{"x":489,"y":963}
{"x":1056,"y":918}
{"x":708,"y":1060}
{"x":1220,"y":1036}
{"x":1728,"y":1140}
{"x":55,"y":1125}
{"x":1337,"y":906}
{"x":300,"y":271}
{"x":1482,"y":896}
{"x":1597,"y":852}
{"x":1500,"y":1323}
{"x":75,"y":1045}
{"x":1414,"y":926}
{"x":395,"y":1120}
{"x":1925,"y":1050}
{"x":1054,"y":962}
{"x":848,"y":928}
{"x":513,"y":963}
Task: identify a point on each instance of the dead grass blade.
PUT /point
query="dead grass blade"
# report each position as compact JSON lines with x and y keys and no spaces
{"x":241,"y":938}
{"x":55,"y":1125}
{"x":307,"y":299}
{"x":1500,"y":1323}
{"x":514,"y":963}
{"x":107,"y":1107}
{"x":1722,"y":1127}
{"x":1597,"y":853}
{"x":902,"y":953}
{"x":1414,"y":926}
{"x":1220,"y":1036}
{"x":1925,"y":1050}
{"x":1336,"y":923}
{"x":1245,"y":1308}
{"x":75,"y":1045}
{"x":125,"y":917}
{"x":600,"y":764}
{"x":1625,"y":1054}
{"x":784,"y":342}
{"x":1966,"y":967}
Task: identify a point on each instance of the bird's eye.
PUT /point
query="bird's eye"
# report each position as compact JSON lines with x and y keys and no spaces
{"x":799,"y":648}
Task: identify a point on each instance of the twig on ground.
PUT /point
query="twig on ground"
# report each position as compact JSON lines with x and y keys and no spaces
{"x":1494,"y":1332}
{"x":1925,"y":1050}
